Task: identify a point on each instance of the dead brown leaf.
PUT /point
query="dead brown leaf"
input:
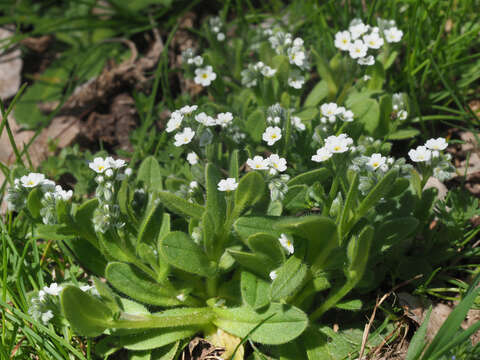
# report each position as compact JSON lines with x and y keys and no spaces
{"x":201,"y":349}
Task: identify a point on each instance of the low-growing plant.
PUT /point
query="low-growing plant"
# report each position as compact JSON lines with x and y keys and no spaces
{"x":285,"y":207}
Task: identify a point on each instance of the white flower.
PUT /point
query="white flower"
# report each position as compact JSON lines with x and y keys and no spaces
{"x":273,"y":120}
{"x":174,"y":122}
{"x":368,"y":60}
{"x":224,"y":119}
{"x":277,"y":164}
{"x":187,"y":110}
{"x":115,"y":164}
{"x":376,"y":161}
{"x":358,"y":49}
{"x":298,"y":42}
{"x":181,"y":297}
{"x":258,"y":163}
{"x":204,"y":76}
{"x":393,"y":35}
{"x":342,"y":40}
{"x":128,"y":171}
{"x":436,"y":144}
{"x":86,"y":288}
{"x":184,"y":137}
{"x":205,"y":119}
{"x":267,"y":71}
{"x":272,"y":134}
{"x":273,"y":274}
{"x":296,"y":80}
{"x":41,"y":295}
{"x":330,"y":109}
{"x":32,"y":180}
{"x":358,"y":29}
{"x":338,"y":144}
{"x":297,"y":122}
{"x":63,"y":194}
{"x":99,"y":165}
{"x":228,"y":184}
{"x":296,"y":56}
{"x":220,"y":36}
{"x":193,"y":184}
{"x":192,"y":158}
{"x":53,"y":289}
{"x":347,"y":116}
{"x":197,"y":60}
{"x":420,"y":154}
{"x":47,"y":316}
{"x":322,"y":155}
{"x":373,"y":41}
{"x":402,"y":114}
{"x":109,"y":173}
{"x":286,"y":243}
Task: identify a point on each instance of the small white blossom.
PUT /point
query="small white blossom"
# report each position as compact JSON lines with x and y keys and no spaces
{"x":296,"y":80}
{"x":402,"y":115}
{"x":109,"y":173}
{"x":128,"y":171}
{"x":273,"y":274}
{"x":32,"y":180}
{"x":224,"y":119}
{"x":393,"y":35}
{"x":228,"y":184}
{"x":420,"y":154}
{"x":193,"y":184}
{"x":205,"y":119}
{"x":322,"y":155}
{"x":367,"y":60}
{"x":175,"y":121}
{"x":342,"y":40}
{"x":181,"y":297}
{"x":47,"y":316}
{"x":330,"y":109}
{"x":436,"y":144}
{"x":99,"y":165}
{"x":86,"y":288}
{"x":192,"y":158}
{"x":204,"y":76}
{"x":197,"y":60}
{"x":267,"y":71}
{"x":62,"y":194}
{"x":296,"y":56}
{"x":187,"y":110}
{"x":184,"y":137}
{"x":54,"y":289}
{"x":376,"y":161}
{"x":115,"y":164}
{"x":338,"y":144}
{"x":373,"y":41}
{"x":347,"y":116}
{"x":357,"y":29}
{"x":272,"y":134}
{"x":286,"y":243}
{"x":220,"y":36}
{"x":41,"y":295}
{"x":258,"y":163}
{"x":298,"y":42}
{"x":277,"y":164}
{"x":297,"y":122}
{"x":358,"y":49}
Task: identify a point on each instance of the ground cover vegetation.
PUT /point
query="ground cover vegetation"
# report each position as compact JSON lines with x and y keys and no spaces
{"x":253,"y":181}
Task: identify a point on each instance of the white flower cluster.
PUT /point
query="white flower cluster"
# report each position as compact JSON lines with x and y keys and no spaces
{"x":216,"y":26}
{"x":228,"y":184}
{"x":52,"y":193}
{"x":254,"y":72}
{"x":203,"y":75}
{"x":430,"y":150}
{"x":109,"y":170}
{"x":333,"y":145}
{"x":360,"y":38}
{"x":283,"y":43}
{"x":399,"y":107}
{"x":278,"y":187}
{"x":331,"y":112}
{"x":273,"y":163}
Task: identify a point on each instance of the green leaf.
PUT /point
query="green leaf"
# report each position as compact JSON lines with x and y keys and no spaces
{"x":310,"y":177}
{"x":320,"y":231}
{"x":255,"y":125}
{"x":153,"y":339}
{"x":34,"y":204}
{"x":181,"y":206}
{"x":385,"y":116}
{"x":250,"y":190}
{"x":284,"y":323}
{"x":209,"y":234}
{"x":318,"y":93}
{"x":87,"y":255}
{"x":150,"y":174}
{"x":267,"y":245}
{"x":233,"y":169}
{"x":250,"y":225}
{"x":351,"y":305}
{"x":180,"y":251}
{"x":418,"y":342}
{"x":215,"y":199}
{"x":315,"y":344}
{"x":290,"y":279}
{"x":358,"y":252}
{"x":392,"y":232}
{"x":87,"y":315}
{"x":150,"y":226}
{"x":257,"y":263}
{"x":366,"y":110}
{"x":134,"y":283}
{"x":83,"y":220}
{"x":307,"y":114}
{"x":402,"y":134}
{"x":296,"y":198}
{"x":57,"y":232}
{"x":254,"y":290}
{"x":165,"y":353}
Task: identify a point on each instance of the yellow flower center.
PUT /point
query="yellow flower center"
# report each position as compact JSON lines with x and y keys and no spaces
{"x":204,"y":75}
{"x":274,"y":136}
{"x":101,"y":167}
{"x":30,"y":182}
{"x":336,"y":148}
{"x":375,"y":164}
